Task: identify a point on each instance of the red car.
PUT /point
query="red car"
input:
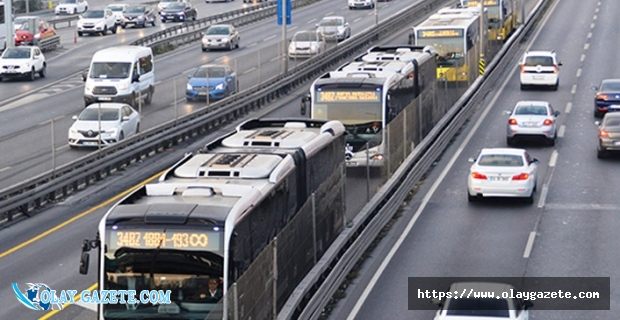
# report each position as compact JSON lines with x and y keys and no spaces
{"x":29,"y":30}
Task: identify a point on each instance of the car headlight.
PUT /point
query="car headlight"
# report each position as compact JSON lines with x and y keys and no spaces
{"x":189,"y":87}
{"x":225,"y":39}
{"x":123,"y":86}
{"x":110,"y":132}
{"x":72,"y":131}
{"x":219,"y":86}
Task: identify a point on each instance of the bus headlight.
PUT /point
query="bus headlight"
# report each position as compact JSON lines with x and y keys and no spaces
{"x":377,"y":156}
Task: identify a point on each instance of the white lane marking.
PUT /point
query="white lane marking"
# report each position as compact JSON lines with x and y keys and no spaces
{"x":273,"y":36}
{"x":595,"y":17}
{"x":561,"y":131}
{"x":253,"y":44}
{"x":569,"y":106}
{"x":586,"y":46}
{"x":583,"y":57}
{"x":329,"y":13}
{"x":312,"y":20}
{"x":88,"y":306}
{"x":596,"y":10}
{"x":373,"y":281}
{"x":583,"y":206}
{"x":293,"y":28}
{"x":578,"y":73}
{"x":543,"y":196}
{"x":573,"y":90}
{"x":5,"y":169}
{"x":592,"y":25}
{"x":249,"y":70}
{"x":554,"y":159}
{"x":274,"y":59}
{"x":529,"y":245}
{"x":357,"y":19}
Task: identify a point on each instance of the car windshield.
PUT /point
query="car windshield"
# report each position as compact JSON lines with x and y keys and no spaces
{"x":306,"y":36}
{"x":110,"y":70}
{"x":210,"y":72}
{"x":91,"y":14}
{"x":533,"y":61}
{"x":92,"y":114}
{"x":168,"y":1}
{"x":16,"y":53}
{"x":610,"y":86}
{"x":135,"y":9}
{"x":531,"y":110}
{"x":478,"y":308}
{"x":218,"y":30}
{"x":115,"y":8}
{"x":68,"y":1}
{"x":24,"y":24}
{"x":500,"y":160}
{"x":334,"y":22}
{"x":176,"y":6}
{"x":611,"y":122}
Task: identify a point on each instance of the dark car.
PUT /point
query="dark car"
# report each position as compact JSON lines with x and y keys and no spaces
{"x":607,"y":97}
{"x":178,"y":11}
{"x":139,"y":16}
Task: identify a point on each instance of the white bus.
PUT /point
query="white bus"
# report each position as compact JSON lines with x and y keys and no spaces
{"x":213,"y":212}
{"x":368,"y":93}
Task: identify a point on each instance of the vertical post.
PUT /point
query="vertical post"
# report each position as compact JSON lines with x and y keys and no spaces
{"x":140,"y":107}
{"x":274,"y":301}
{"x":27,"y":6}
{"x":53,"y":147}
{"x":235,"y":302}
{"x":176,"y":110}
{"x":8,"y":19}
{"x":284,"y":42}
{"x":522,"y":11}
{"x":314,"y":225}
{"x":98,"y":125}
{"x":367,"y":172}
{"x":376,"y":7}
{"x":259,"y":66}
{"x":483,"y":39}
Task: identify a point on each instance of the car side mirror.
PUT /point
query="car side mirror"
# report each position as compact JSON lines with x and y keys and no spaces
{"x":316,"y":25}
{"x":598,"y":123}
{"x":534,"y":160}
{"x":560,"y":63}
{"x":84,"y":76}
{"x":556,"y":113}
{"x":74,"y":117}
{"x":84,"y":262}
{"x":305,"y":101}
{"x":135,"y":78}
{"x":527,"y":304}
{"x":125,"y":118}
{"x":508,"y":112}
{"x":471,"y":160}
{"x":346,"y":24}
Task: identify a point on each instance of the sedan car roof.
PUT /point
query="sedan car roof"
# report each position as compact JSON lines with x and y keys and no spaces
{"x":513,"y":151}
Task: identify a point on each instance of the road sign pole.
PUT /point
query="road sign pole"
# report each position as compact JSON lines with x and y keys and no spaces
{"x":8,"y":18}
{"x":284,"y":42}
{"x":483,"y":36}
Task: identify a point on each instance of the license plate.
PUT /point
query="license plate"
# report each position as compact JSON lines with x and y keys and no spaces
{"x":351,"y":163}
{"x":530,"y":124}
{"x":492,"y":178}
{"x":617,"y":143}
{"x":105,"y":99}
{"x":90,"y":143}
{"x":538,"y":77}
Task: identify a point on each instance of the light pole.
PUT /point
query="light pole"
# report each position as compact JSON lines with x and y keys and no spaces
{"x":483,"y":35}
{"x":284,"y":40}
{"x":8,"y":18}
{"x":376,"y":12}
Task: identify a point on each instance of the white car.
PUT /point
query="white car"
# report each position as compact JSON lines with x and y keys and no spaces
{"x":469,"y":308}
{"x":306,"y":44}
{"x":532,"y":119}
{"x":71,"y":7}
{"x":116,"y":121}
{"x":22,"y":61}
{"x":96,"y":21}
{"x":502,"y":172}
{"x":117,"y":10}
{"x":539,"y":68}
{"x":356,"y":4}
{"x":334,"y":28}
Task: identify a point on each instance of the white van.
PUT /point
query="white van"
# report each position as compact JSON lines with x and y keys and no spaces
{"x":120,"y":74}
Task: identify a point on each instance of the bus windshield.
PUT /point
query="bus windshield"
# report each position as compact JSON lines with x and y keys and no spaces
{"x":188,"y":262}
{"x":450,"y":50}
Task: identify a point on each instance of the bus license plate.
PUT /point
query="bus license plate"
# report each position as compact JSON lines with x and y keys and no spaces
{"x":351,"y":164}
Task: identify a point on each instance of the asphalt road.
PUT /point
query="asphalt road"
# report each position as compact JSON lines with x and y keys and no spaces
{"x":53,"y":259}
{"x":570,"y":230}
{"x":27,"y":122}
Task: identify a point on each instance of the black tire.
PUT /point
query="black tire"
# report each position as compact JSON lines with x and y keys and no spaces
{"x":80,"y":34}
{"x":114,"y":29}
{"x":153,"y":23}
{"x":149,"y":96}
{"x":121,"y":136}
{"x":123,"y":25}
{"x":194,"y":17}
{"x":42,"y":72}
{"x":530,"y":199}
{"x":523,"y":87}
{"x":237,"y":45}
{"x":471,"y":198}
{"x":510,"y":141}
{"x":32,"y":74}
{"x":601,"y":153}
{"x":137,"y":127}
{"x":598,"y":114}
{"x":105,"y":30}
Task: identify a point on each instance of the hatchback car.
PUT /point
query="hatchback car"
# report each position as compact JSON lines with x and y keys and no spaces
{"x":71,"y":6}
{"x":460,"y":308}
{"x":334,"y":28}
{"x":139,"y":16}
{"x":103,"y":124}
{"x":539,"y":68}
{"x":361,"y":4}
{"x":306,"y":44}
{"x":220,"y":36}
{"x":178,"y":11}
{"x":532,"y":119}
{"x":214,"y":81}
{"x":502,"y":172}
{"x":607,"y":97}
{"x":23,"y":62}
{"x":608,"y":134}
{"x":29,"y":30}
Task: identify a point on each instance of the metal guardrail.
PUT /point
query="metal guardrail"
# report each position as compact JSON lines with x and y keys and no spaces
{"x":315,"y":291}
{"x":50,"y":186}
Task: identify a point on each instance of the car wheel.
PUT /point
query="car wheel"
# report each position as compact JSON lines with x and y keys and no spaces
{"x":194,"y":17}
{"x":530,"y":199}
{"x":123,"y":25}
{"x":523,"y":87}
{"x":114,"y":29}
{"x":80,"y":34}
{"x":153,"y":22}
{"x":32,"y":74}
{"x":471,"y":198}
{"x":75,"y":11}
{"x":149,"y":96}
{"x":510,"y":141}
{"x":231,"y":46}
{"x":598,"y":114}
{"x":121,"y":136}
{"x":551,"y":141}
{"x":137,"y":127}
{"x":556,"y":85}
{"x":204,"y":49}
{"x":601,"y":153}
{"x":237,"y":44}
{"x":42,"y":72}
{"x":105,"y":31}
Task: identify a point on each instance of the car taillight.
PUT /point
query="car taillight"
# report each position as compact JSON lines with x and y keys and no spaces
{"x":521,"y":67}
{"x":600,"y":96}
{"x":603,"y":134}
{"x":478,"y":175}
{"x":548,"y":122}
{"x":556,"y":69}
{"x":521,"y":176}
{"x":512,"y":121}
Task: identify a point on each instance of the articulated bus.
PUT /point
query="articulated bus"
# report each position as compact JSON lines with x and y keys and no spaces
{"x":455,"y":35}
{"x":501,"y":17}
{"x":368,"y":93}
{"x":214,"y":211}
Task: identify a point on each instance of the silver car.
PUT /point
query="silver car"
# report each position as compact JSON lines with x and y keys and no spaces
{"x":532,"y":119}
{"x":220,"y":36}
{"x":334,"y":28}
{"x":608,"y":134}
{"x":306,"y":44}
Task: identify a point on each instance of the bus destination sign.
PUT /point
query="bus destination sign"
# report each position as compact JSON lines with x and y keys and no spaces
{"x":441,"y":33}
{"x":170,"y":239}
{"x":349,"y":96}
{"x":476,"y":3}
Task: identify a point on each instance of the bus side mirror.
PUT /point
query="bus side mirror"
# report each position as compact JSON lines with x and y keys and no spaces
{"x":84,"y":262}
{"x":305,"y":101}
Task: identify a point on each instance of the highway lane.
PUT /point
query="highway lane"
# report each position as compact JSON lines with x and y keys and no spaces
{"x":28,"y":124}
{"x":54,"y":259}
{"x":574,"y":223}
{"x":75,"y":53}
